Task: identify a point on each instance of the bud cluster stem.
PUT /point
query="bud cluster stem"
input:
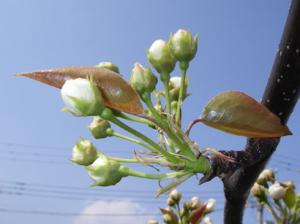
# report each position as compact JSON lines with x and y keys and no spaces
{"x":183,"y":67}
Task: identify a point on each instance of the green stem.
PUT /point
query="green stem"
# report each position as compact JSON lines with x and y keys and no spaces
{"x":127,"y":138}
{"x":185,"y":149}
{"x":272,"y":211}
{"x":158,"y":149}
{"x":183,"y":67}
{"x":161,"y":176}
{"x":167,"y":96}
{"x":130,"y":118}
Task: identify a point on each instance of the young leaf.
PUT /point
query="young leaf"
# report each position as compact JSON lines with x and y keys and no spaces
{"x":116,"y":92}
{"x":237,"y":113}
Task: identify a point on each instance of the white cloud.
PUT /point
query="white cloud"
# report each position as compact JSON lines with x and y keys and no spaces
{"x":112,"y":207}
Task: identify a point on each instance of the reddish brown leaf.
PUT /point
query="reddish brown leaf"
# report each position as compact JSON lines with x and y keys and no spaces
{"x":116,"y":92}
{"x":239,"y":114}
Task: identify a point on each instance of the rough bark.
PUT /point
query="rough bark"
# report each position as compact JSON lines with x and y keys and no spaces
{"x":280,"y":97}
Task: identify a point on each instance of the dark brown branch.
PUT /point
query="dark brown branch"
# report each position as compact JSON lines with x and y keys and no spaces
{"x":280,"y":97}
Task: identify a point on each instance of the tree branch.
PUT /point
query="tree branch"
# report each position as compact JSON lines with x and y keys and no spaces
{"x":280,"y":97}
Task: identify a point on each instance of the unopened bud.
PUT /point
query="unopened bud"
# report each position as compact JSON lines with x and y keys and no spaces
{"x":84,"y":153}
{"x":207,"y":220}
{"x":210,"y":204}
{"x":99,"y":127}
{"x":160,"y":57}
{"x":142,"y":79}
{"x":195,"y":203}
{"x":290,"y":196}
{"x":277,"y":191}
{"x":108,"y":65}
{"x":183,"y":46}
{"x":258,"y":191}
{"x":265,"y":176}
{"x":82,"y":97}
{"x":170,"y":202}
{"x":105,"y":172}
{"x":175,"y":195}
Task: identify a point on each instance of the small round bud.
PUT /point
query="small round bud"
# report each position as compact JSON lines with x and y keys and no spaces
{"x":171,"y":202}
{"x":195,"y":203}
{"x":183,"y":46}
{"x":81,"y":97}
{"x":277,"y":191}
{"x":210,"y":204}
{"x":152,"y":221}
{"x":258,"y":191}
{"x":105,"y":172}
{"x":142,"y":79}
{"x":108,"y":65}
{"x":175,"y":195}
{"x":99,"y":127}
{"x":160,"y":57}
{"x":175,"y":83}
{"x":207,"y":220}
{"x":265,"y":176}
{"x":187,"y":205}
{"x":84,"y":153}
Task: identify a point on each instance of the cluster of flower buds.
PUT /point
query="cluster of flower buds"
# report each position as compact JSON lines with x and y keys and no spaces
{"x":103,"y":170}
{"x":192,"y":211}
{"x":267,"y":189}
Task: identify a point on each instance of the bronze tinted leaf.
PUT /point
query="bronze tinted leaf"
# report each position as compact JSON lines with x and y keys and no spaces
{"x":239,"y":114}
{"x":116,"y":92}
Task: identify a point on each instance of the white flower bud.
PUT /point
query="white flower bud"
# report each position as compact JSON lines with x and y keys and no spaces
{"x":207,"y":220}
{"x":175,"y":195}
{"x":160,"y":57}
{"x":264,"y":176}
{"x":105,"y":172}
{"x":276,"y":191}
{"x":81,"y":97}
{"x":84,"y":153}
{"x":210,"y":205}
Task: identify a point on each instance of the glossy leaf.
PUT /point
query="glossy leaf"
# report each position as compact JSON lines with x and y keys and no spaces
{"x":116,"y":92}
{"x":237,"y":113}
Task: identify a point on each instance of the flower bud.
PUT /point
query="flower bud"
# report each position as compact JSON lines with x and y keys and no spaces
{"x":195,"y":203}
{"x":210,"y":204}
{"x":152,"y":221}
{"x":99,"y":127}
{"x":290,"y":195}
{"x":175,"y":195}
{"x":160,"y":57}
{"x":258,"y":191}
{"x":105,"y":172}
{"x":175,"y":83}
{"x":183,"y":46}
{"x":207,"y":220}
{"x":265,"y":176}
{"x":84,"y":153}
{"x":142,"y":79}
{"x":276,"y":191}
{"x":170,"y":202}
{"x":81,"y":97}
{"x":108,"y":65}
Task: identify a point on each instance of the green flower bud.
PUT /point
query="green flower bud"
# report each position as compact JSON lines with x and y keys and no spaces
{"x":290,"y":195}
{"x":259,"y":192}
{"x":99,"y":127}
{"x":160,"y":57}
{"x":105,"y":172}
{"x":82,"y":97}
{"x":84,"y":153}
{"x":195,"y":203}
{"x":171,"y":202}
{"x":175,"y":195}
{"x":183,"y":46}
{"x":108,"y":65}
{"x":142,"y":79}
{"x":175,"y":88}
{"x":265,"y":176}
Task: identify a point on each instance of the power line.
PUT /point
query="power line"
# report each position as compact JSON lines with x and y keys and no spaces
{"x":53,"y":213}
{"x":51,"y":186}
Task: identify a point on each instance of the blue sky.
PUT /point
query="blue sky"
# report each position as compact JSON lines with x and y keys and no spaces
{"x":237,"y":44}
